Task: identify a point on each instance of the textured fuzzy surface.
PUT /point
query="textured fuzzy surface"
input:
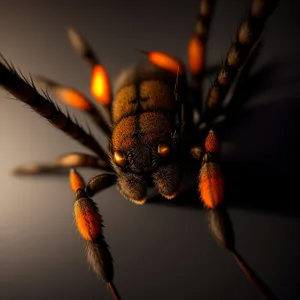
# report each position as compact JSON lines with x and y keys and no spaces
{"x":212,"y":143}
{"x":211,"y":185}
{"x":100,"y":259}
{"x":151,"y":127}
{"x":25,"y":91}
{"x":88,"y":219}
{"x":148,"y":95}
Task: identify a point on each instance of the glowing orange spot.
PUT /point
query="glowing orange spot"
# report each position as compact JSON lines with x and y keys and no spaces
{"x":72,"y":98}
{"x":100,"y":85}
{"x":196,"y":55}
{"x":212,"y":142}
{"x":166,"y":62}
{"x":211,"y":185}
{"x":76,"y":181}
{"x":163,"y":150}
{"x":87,"y":218}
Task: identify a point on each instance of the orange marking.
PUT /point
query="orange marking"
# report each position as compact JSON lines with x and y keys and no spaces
{"x":72,"y":98}
{"x":165,"y":61}
{"x":87,"y":218}
{"x":100,"y":85}
{"x":196,"y":55}
{"x":212,"y":142}
{"x":211,"y":185}
{"x":76,"y":181}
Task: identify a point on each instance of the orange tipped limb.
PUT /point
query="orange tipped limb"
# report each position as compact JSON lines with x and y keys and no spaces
{"x":100,"y":86}
{"x":197,"y":51}
{"x":76,"y":99}
{"x":212,"y":143}
{"x":73,"y":98}
{"x":176,"y":67}
{"x":67,"y":95}
{"x":87,"y":217}
{"x":89,"y":224}
{"x":76,"y":181}
{"x":196,"y":55}
{"x":164,"y":61}
{"x":197,"y":43}
{"x":211,"y":185}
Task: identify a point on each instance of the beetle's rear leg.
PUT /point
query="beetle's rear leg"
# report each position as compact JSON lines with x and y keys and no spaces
{"x":237,"y":95}
{"x":246,"y":37}
{"x":99,"y":183}
{"x":197,"y":49}
{"x":76,"y":99}
{"x":90,"y":226}
{"x":26,"y":92}
{"x":63,"y":163}
{"x":233,"y":102}
{"x":100,"y":86}
{"x":211,"y":188}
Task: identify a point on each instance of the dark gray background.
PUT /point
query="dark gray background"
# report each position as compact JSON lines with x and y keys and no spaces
{"x":160,"y":252}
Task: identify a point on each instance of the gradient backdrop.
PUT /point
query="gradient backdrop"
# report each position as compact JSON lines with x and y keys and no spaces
{"x":160,"y":252}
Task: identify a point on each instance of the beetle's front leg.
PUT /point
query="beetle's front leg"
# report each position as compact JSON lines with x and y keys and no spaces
{"x":99,"y":183}
{"x":90,"y":226}
{"x":211,"y":188}
{"x":63,"y":163}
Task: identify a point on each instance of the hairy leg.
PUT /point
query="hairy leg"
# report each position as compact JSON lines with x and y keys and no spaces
{"x":90,"y":226}
{"x":63,"y":163}
{"x":211,"y":189}
{"x":76,"y":99}
{"x":247,"y":35}
{"x":197,"y":49}
{"x":100,"y":84}
{"x":26,"y":92}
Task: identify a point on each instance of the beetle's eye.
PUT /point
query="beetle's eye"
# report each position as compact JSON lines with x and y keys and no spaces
{"x":163,"y":150}
{"x":120,"y":158}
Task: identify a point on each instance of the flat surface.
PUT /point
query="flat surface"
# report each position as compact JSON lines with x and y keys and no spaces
{"x":160,"y":252}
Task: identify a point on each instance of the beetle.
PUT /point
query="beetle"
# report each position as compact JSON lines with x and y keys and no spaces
{"x":153,"y":134}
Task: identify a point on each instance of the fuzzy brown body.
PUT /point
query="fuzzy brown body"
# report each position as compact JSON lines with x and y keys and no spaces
{"x":144,"y":94}
{"x":144,"y":116}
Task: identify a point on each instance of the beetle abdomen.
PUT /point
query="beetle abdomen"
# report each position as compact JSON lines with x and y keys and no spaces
{"x":148,"y":128}
{"x":143,"y":88}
